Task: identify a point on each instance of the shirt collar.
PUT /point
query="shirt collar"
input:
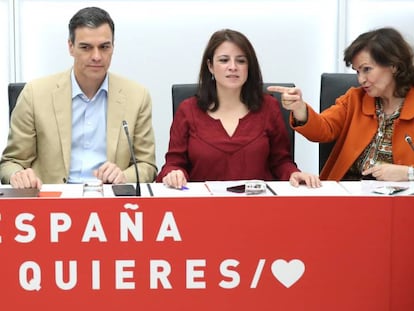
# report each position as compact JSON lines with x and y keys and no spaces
{"x":76,"y":90}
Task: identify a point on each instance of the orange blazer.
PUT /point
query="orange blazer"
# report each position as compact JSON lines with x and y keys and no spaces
{"x":352,"y":123}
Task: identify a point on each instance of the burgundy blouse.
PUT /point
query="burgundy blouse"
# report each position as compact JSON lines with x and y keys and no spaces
{"x":202,"y":149}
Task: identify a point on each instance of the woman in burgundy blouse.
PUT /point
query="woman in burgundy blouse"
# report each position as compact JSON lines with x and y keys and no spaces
{"x":231,"y":130}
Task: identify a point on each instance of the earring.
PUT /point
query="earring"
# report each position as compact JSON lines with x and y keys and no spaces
{"x":212,"y":77}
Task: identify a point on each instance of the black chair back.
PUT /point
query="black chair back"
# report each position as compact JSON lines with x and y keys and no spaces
{"x":14,"y":90}
{"x":184,"y":91}
{"x":333,"y":85}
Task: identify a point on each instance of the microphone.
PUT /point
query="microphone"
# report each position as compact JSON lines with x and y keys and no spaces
{"x":409,"y":141}
{"x":125,"y":190}
{"x":131,"y":150}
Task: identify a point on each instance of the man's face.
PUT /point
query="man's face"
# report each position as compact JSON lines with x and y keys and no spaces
{"x":92,"y":52}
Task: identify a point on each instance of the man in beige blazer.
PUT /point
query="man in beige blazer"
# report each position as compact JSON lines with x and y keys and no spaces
{"x":40,"y":145}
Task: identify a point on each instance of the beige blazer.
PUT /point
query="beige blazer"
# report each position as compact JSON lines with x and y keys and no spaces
{"x":41,"y":129}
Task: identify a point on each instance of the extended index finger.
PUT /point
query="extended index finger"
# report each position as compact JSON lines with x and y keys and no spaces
{"x":279,"y":89}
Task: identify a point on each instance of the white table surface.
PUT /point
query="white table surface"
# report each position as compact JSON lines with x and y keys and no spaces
{"x":218,"y":188}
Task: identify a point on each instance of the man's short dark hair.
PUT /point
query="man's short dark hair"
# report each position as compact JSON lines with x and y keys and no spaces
{"x":91,"y":17}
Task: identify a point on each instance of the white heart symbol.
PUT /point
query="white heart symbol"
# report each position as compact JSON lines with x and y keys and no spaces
{"x":288,"y":273}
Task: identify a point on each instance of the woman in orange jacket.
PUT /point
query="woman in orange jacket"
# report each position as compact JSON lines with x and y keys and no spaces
{"x":372,"y":124}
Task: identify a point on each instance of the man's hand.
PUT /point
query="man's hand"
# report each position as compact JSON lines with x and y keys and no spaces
{"x":25,"y":179}
{"x":110,"y":173}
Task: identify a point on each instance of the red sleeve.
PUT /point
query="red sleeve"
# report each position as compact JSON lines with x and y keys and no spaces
{"x":177,"y":154}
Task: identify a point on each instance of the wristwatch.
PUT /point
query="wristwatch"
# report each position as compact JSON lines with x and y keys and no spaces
{"x":410,"y":173}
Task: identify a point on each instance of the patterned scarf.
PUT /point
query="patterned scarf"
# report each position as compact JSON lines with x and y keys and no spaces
{"x":380,"y":148}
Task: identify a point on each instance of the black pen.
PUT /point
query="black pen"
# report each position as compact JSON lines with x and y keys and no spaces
{"x":150,"y":190}
{"x":270,"y":189}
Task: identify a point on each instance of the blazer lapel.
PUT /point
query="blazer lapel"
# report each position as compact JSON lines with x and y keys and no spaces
{"x":62,"y":104}
{"x":115,"y":115}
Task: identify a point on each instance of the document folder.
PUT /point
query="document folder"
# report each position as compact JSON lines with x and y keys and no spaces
{"x":18,"y":193}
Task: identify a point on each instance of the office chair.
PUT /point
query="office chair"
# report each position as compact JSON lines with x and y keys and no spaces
{"x":333,"y":85}
{"x":184,"y":91}
{"x":14,"y":90}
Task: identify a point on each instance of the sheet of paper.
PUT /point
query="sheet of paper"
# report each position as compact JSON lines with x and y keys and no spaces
{"x":67,"y":190}
{"x":219,"y":188}
{"x":193,"y":189}
{"x":329,"y":188}
{"x":376,"y":187}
